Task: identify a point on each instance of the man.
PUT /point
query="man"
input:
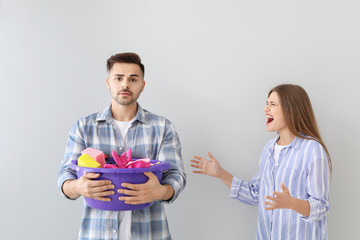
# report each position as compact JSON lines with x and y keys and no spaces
{"x":123,"y":125}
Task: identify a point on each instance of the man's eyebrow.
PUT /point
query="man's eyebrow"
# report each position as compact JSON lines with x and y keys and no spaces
{"x":122,"y":75}
{"x":134,"y":75}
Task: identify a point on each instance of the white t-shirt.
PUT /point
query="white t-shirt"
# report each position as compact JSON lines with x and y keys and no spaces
{"x":277,"y":150}
{"x":124,"y":216}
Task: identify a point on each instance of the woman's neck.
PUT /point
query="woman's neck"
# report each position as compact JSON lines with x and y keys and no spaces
{"x":286,"y":137}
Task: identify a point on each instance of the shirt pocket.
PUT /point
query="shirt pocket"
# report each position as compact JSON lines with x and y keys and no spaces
{"x":295,"y":180}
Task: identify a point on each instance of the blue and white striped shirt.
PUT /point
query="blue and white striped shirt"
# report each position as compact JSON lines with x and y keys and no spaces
{"x":304,"y":169}
{"x":150,"y":136}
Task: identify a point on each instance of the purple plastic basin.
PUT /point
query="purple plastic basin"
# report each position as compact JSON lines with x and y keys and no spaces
{"x":118,"y":176}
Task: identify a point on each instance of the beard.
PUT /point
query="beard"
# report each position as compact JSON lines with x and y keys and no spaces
{"x":125,"y":101}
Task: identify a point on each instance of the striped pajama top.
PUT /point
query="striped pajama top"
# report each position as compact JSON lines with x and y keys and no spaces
{"x":304,"y":169}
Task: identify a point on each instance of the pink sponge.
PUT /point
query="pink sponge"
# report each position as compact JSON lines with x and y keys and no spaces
{"x":95,"y":154}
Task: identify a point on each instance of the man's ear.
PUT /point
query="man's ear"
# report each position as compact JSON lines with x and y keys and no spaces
{"x":142,"y":89}
{"x":107,"y":82}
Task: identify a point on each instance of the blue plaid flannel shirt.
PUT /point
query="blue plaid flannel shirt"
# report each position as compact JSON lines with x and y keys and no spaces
{"x":149,"y":136}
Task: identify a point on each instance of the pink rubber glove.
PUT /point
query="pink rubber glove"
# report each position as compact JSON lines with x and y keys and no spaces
{"x":118,"y":160}
{"x":110,"y":166}
{"x":140,"y":163}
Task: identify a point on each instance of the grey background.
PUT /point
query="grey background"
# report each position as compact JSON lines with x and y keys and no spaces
{"x":209,"y":66}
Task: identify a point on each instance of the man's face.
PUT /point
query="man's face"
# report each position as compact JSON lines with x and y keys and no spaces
{"x":125,"y":82}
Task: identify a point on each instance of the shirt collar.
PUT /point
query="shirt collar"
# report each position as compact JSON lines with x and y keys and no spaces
{"x":106,"y":115}
{"x":296,"y":143}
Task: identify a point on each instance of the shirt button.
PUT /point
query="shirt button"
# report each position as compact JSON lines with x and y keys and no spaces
{"x":121,"y":148}
{"x":114,"y":230}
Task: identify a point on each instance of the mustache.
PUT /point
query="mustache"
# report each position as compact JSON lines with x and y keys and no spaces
{"x":124,"y":91}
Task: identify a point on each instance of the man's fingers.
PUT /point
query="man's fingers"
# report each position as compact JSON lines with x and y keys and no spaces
{"x":95,"y":182}
{"x":128,"y":192}
{"x":150,"y":175}
{"x":91,"y":175}
{"x":132,"y":186}
{"x":103,"y":188}
{"x":101,"y":183}
{"x":103,"y":194}
{"x":131,"y":200}
{"x":104,"y":199}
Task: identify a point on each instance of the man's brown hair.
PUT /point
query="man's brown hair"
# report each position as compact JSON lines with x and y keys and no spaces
{"x":127,"y":57}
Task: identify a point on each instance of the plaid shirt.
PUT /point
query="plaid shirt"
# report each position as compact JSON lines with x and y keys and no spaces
{"x":150,"y":136}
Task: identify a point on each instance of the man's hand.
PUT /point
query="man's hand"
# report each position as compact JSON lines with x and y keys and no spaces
{"x":147,"y":192}
{"x":86,"y":186}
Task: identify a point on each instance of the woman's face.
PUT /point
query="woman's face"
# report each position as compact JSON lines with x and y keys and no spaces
{"x":275,"y":114}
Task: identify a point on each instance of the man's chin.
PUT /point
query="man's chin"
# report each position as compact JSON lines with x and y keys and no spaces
{"x":125,"y":103}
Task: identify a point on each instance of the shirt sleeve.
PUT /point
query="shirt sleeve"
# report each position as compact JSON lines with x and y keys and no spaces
{"x":75,"y":144}
{"x":170,"y":151}
{"x":246,"y":192}
{"x":318,"y":184}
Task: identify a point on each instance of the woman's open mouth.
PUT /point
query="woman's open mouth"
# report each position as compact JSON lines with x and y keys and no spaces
{"x":269,"y":119}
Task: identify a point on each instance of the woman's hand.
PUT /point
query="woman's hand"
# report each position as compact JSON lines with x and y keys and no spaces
{"x":285,"y":200}
{"x":280,"y":200}
{"x":211,"y":168}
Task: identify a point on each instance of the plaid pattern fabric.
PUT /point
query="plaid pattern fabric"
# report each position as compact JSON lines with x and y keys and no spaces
{"x":150,"y":136}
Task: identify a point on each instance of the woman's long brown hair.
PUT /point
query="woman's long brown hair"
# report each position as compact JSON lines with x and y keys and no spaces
{"x":299,"y":114}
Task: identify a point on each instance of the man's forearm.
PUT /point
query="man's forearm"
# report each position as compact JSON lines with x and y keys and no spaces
{"x":166,"y":192}
{"x":68,"y":188}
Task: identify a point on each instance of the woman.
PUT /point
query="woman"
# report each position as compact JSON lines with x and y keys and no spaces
{"x":292,"y":184}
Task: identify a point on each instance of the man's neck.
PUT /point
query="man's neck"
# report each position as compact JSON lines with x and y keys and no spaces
{"x":123,"y":113}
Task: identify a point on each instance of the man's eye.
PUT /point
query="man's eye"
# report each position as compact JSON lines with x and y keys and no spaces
{"x":133,"y":79}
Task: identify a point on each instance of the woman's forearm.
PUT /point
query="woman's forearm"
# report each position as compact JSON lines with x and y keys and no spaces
{"x":226,"y":177}
{"x":301,"y":206}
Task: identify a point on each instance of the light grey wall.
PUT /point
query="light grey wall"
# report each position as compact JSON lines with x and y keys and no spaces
{"x":209,"y":67}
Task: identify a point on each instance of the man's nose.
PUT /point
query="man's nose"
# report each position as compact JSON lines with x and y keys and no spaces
{"x":125,"y":84}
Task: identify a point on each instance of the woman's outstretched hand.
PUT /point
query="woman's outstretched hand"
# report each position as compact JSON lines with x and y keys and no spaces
{"x":211,"y":168}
